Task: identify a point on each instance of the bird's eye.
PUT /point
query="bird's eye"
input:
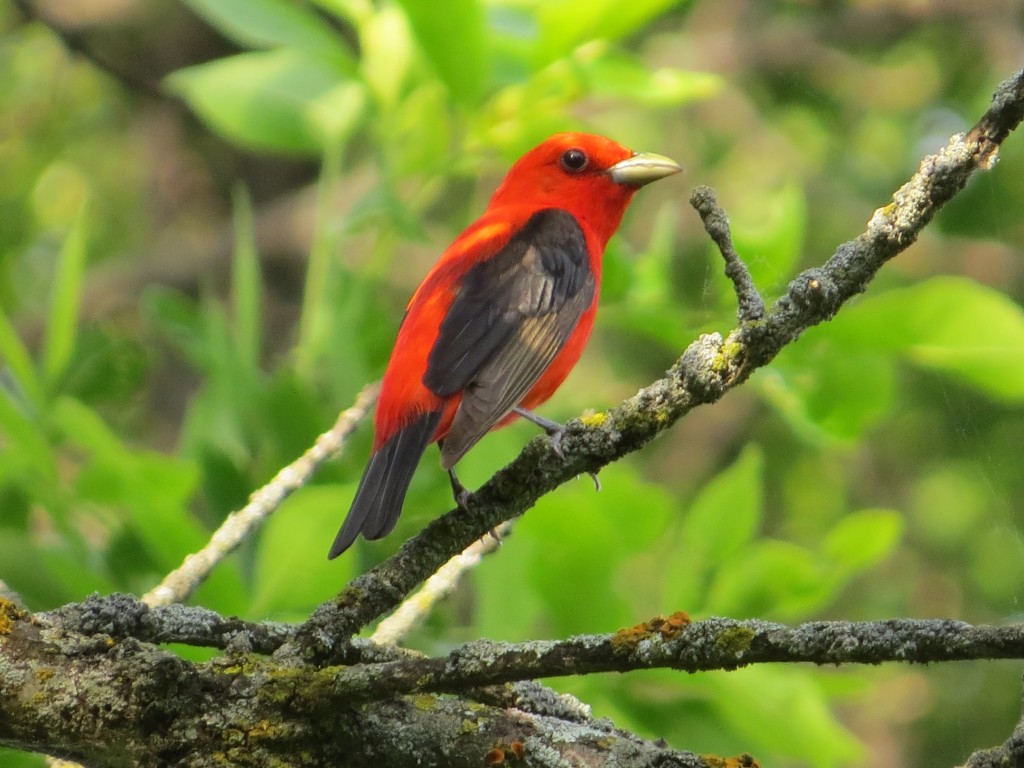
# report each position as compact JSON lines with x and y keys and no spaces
{"x":574,"y":160}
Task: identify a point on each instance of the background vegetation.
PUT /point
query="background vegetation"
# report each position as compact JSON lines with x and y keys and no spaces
{"x":213,"y":211}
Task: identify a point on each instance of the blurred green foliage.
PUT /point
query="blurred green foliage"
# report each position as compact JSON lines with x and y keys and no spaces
{"x":872,"y":470}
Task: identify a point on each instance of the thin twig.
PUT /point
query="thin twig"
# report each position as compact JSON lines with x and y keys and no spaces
{"x":418,"y":605}
{"x":716,"y":224}
{"x":120,"y":616}
{"x":178,"y":585}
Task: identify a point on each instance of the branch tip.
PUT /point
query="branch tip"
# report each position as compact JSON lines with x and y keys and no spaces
{"x":716,"y":224}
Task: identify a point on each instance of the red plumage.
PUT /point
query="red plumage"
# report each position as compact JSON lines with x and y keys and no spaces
{"x":502,"y":317}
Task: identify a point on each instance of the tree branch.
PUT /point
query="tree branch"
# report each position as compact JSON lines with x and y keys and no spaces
{"x":750,"y":305}
{"x":117,"y":703}
{"x":155,"y":705}
{"x":708,"y":369}
{"x":674,"y":643}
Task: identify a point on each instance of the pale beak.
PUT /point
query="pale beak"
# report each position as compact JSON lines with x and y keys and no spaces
{"x":643,"y":168}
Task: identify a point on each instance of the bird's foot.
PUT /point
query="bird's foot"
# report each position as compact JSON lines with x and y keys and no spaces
{"x":555,"y":430}
{"x":459,"y":491}
{"x":596,"y":479}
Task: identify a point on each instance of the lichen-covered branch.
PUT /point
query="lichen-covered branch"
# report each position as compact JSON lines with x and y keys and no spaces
{"x":709,"y":368}
{"x":675,"y":643}
{"x":121,"y":616}
{"x":75,"y":693}
{"x":106,"y":702}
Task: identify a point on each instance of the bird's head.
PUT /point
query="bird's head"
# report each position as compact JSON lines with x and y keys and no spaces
{"x":592,"y":177}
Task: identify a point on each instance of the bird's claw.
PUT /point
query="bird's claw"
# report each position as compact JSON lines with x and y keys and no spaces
{"x":597,"y":481}
{"x":555,"y":430}
{"x":555,"y":437}
{"x":460,"y":493}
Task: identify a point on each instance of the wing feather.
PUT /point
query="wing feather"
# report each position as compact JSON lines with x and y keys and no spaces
{"x":512,"y":316}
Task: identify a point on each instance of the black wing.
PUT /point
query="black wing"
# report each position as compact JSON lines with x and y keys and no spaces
{"x":513,"y":314}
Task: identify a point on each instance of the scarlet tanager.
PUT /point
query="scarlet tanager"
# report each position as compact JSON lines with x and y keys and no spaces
{"x":502,"y":317}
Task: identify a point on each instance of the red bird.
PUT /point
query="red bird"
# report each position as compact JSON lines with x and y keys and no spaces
{"x":501,"y":319}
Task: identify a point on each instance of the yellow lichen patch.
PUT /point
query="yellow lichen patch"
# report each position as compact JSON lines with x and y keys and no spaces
{"x":264,"y":729}
{"x":594,"y":419}
{"x":735,"y":640}
{"x":425,"y":702}
{"x":9,"y":613}
{"x":728,"y":354}
{"x":668,"y":627}
{"x":740,"y":761}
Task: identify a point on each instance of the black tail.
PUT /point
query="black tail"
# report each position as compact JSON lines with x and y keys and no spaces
{"x":378,"y":501}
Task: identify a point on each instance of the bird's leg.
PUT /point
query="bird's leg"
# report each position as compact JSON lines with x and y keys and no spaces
{"x":459,"y":491}
{"x":553,"y":428}
{"x":555,"y":432}
{"x":461,"y":494}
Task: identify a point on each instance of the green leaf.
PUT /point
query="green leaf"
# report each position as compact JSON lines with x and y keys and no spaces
{"x":29,"y":443}
{"x":44,"y":576}
{"x":863,"y":538}
{"x":579,"y":536}
{"x":727,"y":513}
{"x":827,"y":390}
{"x":153,"y":489}
{"x":565,"y":24}
{"x":387,"y":57}
{"x":300,"y":531}
{"x":774,"y":579}
{"x":618,"y":75}
{"x":62,"y":324}
{"x":950,"y":324}
{"x":719,"y":523}
{"x":652,"y":270}
{"x":313,"y":324}
{"x":811,"y":736}
{"x":281,"y":100}
{"x":769,"y":232}
{"x":501,"y":612}
{"x":453,"y":39}
{"x":15,"y":361}
{"x":274,"y":23}
{"x":245,"y":283}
